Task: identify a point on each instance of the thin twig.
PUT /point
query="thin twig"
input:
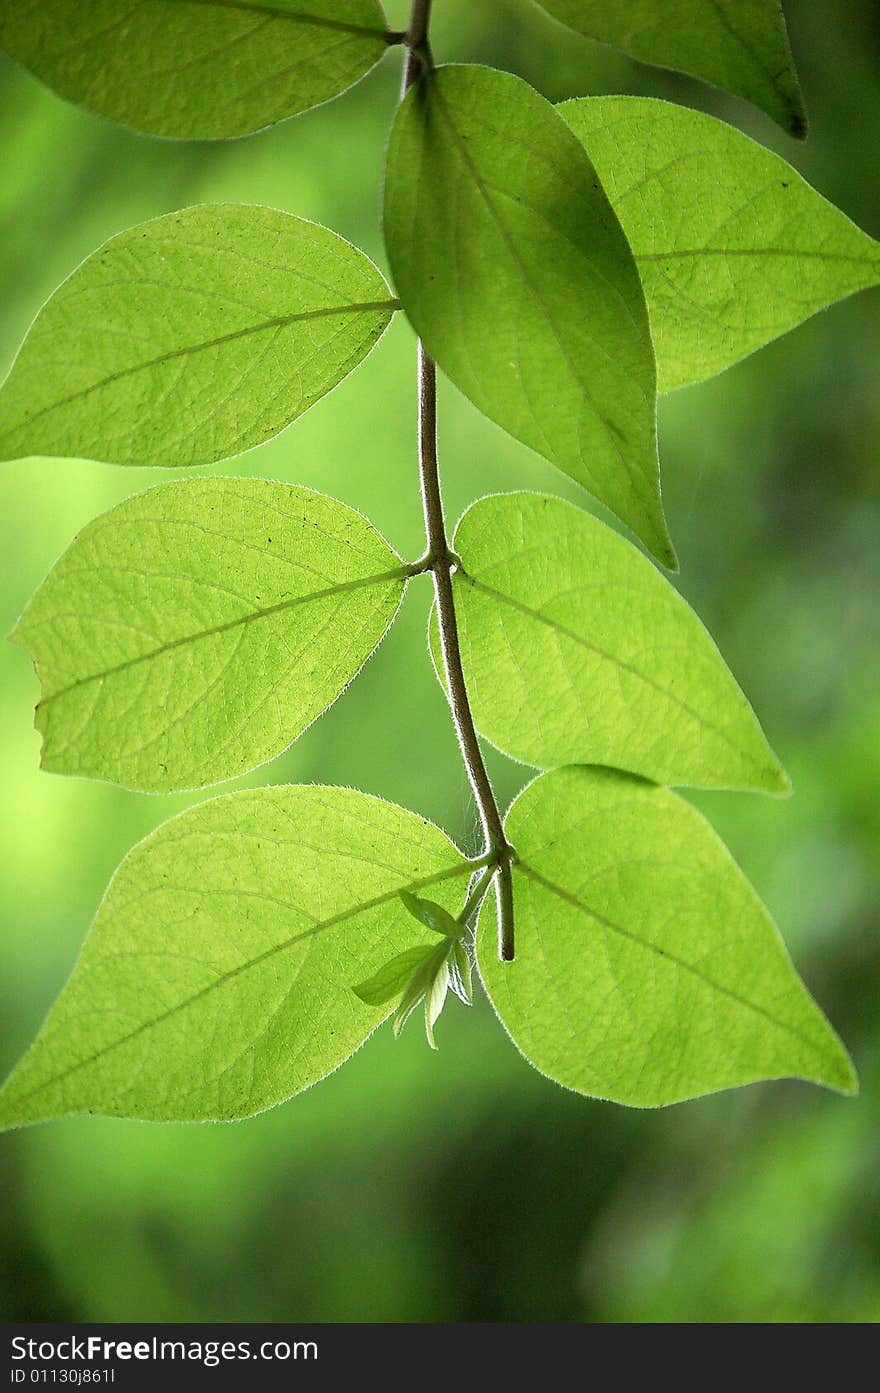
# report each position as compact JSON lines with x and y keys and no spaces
{"x":416,"y":40}
{"x":442,"y":565}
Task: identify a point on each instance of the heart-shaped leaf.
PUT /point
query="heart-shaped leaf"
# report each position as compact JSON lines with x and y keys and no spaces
{"x":216,"y":979}
{"x":647,"y":970}
{"x":576,"y":650}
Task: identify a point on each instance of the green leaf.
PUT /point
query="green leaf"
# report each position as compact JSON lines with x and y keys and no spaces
{"x":428,"y":984}
{"x":435,"y":999}
{"x":216,"y":979}
{"x":393,"y":976}
{"x":433,"y":916}
{"x":191,"y":338}
{"x":576,"y":650}
{"x":460,"y":976}
{"x":195,"y":630}
{"x":647,"y":970}
{"x":416,"y":989}
{"x":196,"y":69}
{"x":514,"y":271}
{"x":740,"y":45}
{"x":733,"y":246}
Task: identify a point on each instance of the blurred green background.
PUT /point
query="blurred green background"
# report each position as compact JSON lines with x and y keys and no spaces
{"x":461,"y":1186}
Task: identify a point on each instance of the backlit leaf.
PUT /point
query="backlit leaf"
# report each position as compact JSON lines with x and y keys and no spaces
{"x":416,"y":989}
{"x":392,"y":976}
{"x":216,"y":979}
{"x":195,"y":630}
{"x":195,"y":69}
{"x":733,"y":246}
{"x":576,"y":650}
{"x":460,"y":973}
{"x":513,"y":269}
{"x":192,"y":337}
{"x":740,"y":45}
{"x":433,"y":916}
{"x":647,"y":970}
{"x":435,"y":999}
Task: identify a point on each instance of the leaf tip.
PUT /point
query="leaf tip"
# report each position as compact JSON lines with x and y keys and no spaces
{"x":780,"y":781}
{"x":659,"y":543}
{"x":841,"y":1073}
{"x":836,"y":1070}
{"x":798,"y":120}
{"x":15,"y":636}
{"x":667,"y":555}
{"x":773,"y":778}
{"x":12,"y":1112}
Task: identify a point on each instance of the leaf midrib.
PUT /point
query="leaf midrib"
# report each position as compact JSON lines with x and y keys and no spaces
{"x":295,"y":16}
{"x":760,"y":64}
{"x":466,"y":868}
{"x":281,"y":321}
{"x":616,"y":661}
{"x":343,"y":587}
{"x":664,"y":953}
{"x":813,"y":255}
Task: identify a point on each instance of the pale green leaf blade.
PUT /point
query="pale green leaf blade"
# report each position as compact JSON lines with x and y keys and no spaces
{"x":739,"y":45}
{"x":647,"y":970}
{"x":435,"y":999}
{"x":195,"y":69}
{"x":433,"y":916}
{"x":216,"y":979}
{"x":194,"y":631}
{"x":734,"y":248}
{"x":460,"y":974}
{"x":392,"y":976}
{"x":514,"y":271}
{"x":413,"y":994}
{"x":192,"y":337}
{"x":576,"y":650}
